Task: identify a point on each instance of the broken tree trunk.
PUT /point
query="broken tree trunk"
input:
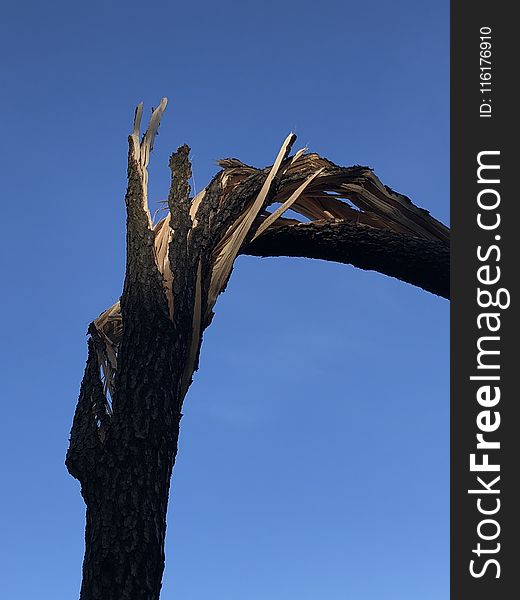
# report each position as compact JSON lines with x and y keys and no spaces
{"x":143,"y":351}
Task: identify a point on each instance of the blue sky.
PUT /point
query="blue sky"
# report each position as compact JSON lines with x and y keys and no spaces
{"x":313,"y":458}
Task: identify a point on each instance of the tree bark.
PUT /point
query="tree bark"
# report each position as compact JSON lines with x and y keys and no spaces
{"x":123,"y":454}
{"x":420,"y":262}
{"x":125,"y":486}
{"x":143,"y":351}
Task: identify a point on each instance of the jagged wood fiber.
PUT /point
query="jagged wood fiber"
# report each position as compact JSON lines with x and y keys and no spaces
{"x":143,"y":350}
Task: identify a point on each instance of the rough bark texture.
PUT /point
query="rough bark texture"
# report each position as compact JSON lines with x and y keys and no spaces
{"x":125,"y":466}
{"x":143,"y":351}
{"x":421,"y":262}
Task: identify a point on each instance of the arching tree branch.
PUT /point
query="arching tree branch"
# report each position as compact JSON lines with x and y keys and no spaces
{"x":421,"y":262}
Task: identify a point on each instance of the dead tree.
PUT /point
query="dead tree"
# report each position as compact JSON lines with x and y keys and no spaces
{"x":143,"y":351}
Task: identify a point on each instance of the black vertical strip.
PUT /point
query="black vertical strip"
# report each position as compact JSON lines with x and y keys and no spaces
{"x":485,"y":297}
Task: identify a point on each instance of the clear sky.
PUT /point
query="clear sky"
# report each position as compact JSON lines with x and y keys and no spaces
{"x":313,"y":458}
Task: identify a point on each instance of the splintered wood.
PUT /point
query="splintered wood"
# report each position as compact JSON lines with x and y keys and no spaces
{"x":310,"y":186}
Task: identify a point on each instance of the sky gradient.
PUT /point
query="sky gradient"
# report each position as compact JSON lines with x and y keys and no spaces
{"x":313,"y":459}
